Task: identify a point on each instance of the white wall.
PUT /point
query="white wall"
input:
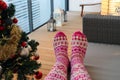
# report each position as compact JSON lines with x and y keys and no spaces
{"x":74,"y":5}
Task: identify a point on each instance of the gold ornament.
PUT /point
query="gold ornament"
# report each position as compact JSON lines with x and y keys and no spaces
{"x":10,"y":46}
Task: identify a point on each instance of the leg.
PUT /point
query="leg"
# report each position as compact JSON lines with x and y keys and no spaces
{"x":82,"y":8}
{"x":59,"y":70}
{"x":79,"y":45}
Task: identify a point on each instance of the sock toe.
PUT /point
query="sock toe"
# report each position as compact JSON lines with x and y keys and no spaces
{"x":79,"y":43}
{"x":60,"y":34}
{"x":60,"y":46}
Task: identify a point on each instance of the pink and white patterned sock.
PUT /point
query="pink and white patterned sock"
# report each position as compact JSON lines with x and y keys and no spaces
{"x":59,"y":70}
{"x":79,"y":46}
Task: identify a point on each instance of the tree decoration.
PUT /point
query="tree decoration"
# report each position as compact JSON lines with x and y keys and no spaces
{"x":1,"y":28}
{"x":23,"y":44}
{"x":38,"y":75}
{"x":15,"y":20}
{"x":36,"y":57}
{"x":3,"y":5}
{"x":16,"y":49}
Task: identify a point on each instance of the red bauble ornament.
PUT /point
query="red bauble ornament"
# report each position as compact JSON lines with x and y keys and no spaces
{"x":36,"y":57}
{"x":23,"y":44}
{"x":2,"y":28}
{"x":38,"y":75}
{"x":3,"y":5}
{"x":15,"y":20}
{"x":12,"y":56}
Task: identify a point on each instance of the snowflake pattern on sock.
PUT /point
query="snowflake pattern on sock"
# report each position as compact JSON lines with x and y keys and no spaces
{"x":59,"y":70}
{"x":79,"y":45}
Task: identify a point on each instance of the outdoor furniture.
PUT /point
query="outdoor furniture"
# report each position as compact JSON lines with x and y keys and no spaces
{"x":88,"y":3}
{"x":102,"y":28}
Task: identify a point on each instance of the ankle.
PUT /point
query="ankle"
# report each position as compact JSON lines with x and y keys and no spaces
{"x":63,"y":59}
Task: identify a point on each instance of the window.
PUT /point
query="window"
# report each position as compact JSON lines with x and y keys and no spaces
{"x":31,"y":13}
{"x":45,"y":10}
{"x":59,"y":4}
{"x":36,"y":13}
{"x":21,"y":13}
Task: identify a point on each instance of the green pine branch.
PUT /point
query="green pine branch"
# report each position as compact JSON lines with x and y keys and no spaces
{"x":33,"y":45}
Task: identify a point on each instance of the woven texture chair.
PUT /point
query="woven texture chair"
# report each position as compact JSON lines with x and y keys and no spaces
{"x":101,"y":28}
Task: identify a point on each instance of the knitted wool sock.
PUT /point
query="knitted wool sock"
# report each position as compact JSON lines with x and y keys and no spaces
{"x":59,"y":70}
{"x":79,"y":45}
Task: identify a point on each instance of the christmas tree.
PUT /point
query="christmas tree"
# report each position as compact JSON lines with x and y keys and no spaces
{"x":17,"y":52}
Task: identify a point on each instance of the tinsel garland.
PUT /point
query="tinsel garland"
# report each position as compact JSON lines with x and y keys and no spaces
{"x":10,"y":47}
